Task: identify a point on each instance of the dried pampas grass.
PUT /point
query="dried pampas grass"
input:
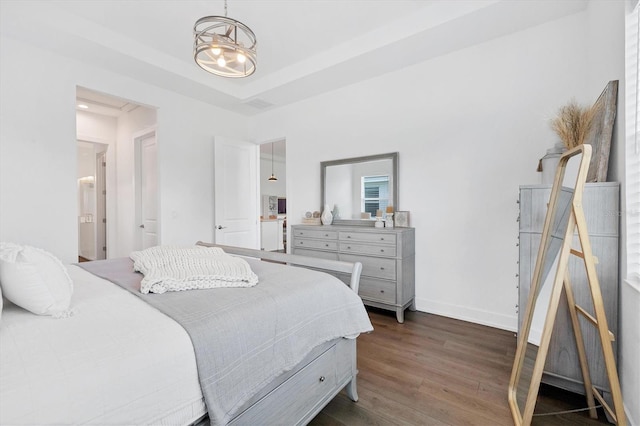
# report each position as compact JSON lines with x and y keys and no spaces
{"x":573,"y":123}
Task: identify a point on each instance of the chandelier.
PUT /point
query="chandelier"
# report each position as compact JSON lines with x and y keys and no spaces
{"x":224,"y":46}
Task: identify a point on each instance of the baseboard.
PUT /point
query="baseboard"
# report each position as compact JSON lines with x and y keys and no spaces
{"x":630,"y":420}
{"x":464,"y":313}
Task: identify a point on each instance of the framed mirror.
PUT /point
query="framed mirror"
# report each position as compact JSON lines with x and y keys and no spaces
{"x":550,"y":272}
{"x":356,"y":188}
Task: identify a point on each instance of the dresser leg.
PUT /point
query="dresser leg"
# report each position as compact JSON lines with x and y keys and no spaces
{"x":412,"y":307}
{"x":400,"y":315}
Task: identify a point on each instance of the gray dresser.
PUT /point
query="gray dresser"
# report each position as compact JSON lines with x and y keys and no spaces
{"x":601,"y":207}
{"x":387,"y":256}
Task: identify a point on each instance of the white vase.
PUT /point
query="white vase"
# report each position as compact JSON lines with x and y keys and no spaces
{"x":326,"y":216}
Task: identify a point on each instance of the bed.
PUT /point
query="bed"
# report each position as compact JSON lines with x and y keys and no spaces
{"x":118,"y":360}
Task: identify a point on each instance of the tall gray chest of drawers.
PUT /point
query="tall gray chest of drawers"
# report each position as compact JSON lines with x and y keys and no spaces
{"x":387,"y":256}
{"x":601,"y":208}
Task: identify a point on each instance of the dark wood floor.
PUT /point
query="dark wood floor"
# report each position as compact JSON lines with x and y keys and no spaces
{"x":433,"y":370}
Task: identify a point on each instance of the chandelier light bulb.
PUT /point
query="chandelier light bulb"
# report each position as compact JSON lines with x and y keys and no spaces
{"x":215,"y":51}
{"x":221,"y":62}
{"x":241,"y":58}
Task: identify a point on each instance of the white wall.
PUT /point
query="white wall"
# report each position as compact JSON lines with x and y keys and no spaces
{"x":469,"y":128}
{"x":38,"y":149}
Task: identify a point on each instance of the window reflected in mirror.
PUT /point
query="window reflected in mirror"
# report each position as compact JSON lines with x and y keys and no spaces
{"x":355,"y":189}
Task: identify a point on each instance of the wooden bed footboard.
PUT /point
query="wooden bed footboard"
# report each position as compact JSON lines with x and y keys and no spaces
{"x":297,"y":396}
{"x":354,"y":269}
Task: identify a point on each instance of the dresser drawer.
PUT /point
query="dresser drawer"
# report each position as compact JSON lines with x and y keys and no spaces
{"x":373,"y":267}
{"x":312,"y":383}
{"x":378,"y":290}
{"x":383,"y":238}
{"x":382,"y":250}
{"x":315,"y":233}
{"x":315,"y":244}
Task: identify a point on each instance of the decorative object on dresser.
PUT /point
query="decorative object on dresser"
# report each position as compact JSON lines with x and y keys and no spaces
{"x":327,"y":216}
{"x":309,"y":218}
{"x":402,"y":219}
{"x":593,"y":125}
{"x":564,"y":283}
{"x":387,"y":256}
{"x":601,"y":132}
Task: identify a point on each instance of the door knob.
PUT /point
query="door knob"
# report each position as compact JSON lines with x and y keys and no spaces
{"x":141,"y":226}
{"x":221,"y":227}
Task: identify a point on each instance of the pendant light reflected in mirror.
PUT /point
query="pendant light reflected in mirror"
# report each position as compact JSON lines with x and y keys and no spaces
{"x":273,"y":177}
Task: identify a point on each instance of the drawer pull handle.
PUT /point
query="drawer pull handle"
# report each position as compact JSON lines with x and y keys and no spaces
{"x":326,"y":235}
{"x":348,"y":236}
{"x":322,"y":379}
{"x":348,"y":247}
{"x":381,"y":250}
{"x":382,"y":268}
{"x":381,"y":291}
{"x":381,"y":238}
{"x":326,"y":245}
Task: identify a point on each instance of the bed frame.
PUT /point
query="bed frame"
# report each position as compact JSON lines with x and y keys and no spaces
{"x":297,"y":396}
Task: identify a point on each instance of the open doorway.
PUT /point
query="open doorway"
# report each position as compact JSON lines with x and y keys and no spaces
{"x":109,"y":126}
{"x":273,"y":199}
{"x":92,"y":244}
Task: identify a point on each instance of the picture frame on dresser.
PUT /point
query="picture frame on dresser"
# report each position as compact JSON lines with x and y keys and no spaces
{"x":401,"y":219}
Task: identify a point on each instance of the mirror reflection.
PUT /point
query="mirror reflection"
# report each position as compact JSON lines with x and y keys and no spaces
{"x":543,"y":282}
{"x":357,"y":188}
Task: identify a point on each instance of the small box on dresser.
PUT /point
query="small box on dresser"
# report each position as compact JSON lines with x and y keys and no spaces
{"x":387,"y":256}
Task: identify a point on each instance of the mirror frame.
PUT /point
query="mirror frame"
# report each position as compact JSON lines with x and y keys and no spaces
{"x":524,"y":415}
{"x":393,"y":156}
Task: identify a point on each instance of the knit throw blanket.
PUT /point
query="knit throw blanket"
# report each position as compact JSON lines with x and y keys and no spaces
{"x":167,"y":268}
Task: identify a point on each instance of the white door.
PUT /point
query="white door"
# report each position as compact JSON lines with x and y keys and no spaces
{"x":236,"y":212}
{"x":147,"y":188}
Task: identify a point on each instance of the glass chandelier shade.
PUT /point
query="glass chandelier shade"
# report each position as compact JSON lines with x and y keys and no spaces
{"x":224,"y":46}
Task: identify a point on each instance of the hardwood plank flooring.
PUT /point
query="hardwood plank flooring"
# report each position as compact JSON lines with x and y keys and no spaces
{"x":434,"y":370}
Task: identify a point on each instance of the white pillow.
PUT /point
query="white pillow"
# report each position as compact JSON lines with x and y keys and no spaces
{"x":35,"y":280}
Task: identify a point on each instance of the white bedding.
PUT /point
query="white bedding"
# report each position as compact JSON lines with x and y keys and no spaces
{"x":99,"y":366}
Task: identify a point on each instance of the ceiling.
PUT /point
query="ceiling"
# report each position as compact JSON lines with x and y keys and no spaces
{"x":100,"y":103}
{"x":305,"y":47}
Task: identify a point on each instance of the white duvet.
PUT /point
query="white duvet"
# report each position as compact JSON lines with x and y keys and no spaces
{"x":117,"y":361}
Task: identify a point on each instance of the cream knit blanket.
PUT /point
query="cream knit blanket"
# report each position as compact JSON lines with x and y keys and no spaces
{"x":169,"y":268}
